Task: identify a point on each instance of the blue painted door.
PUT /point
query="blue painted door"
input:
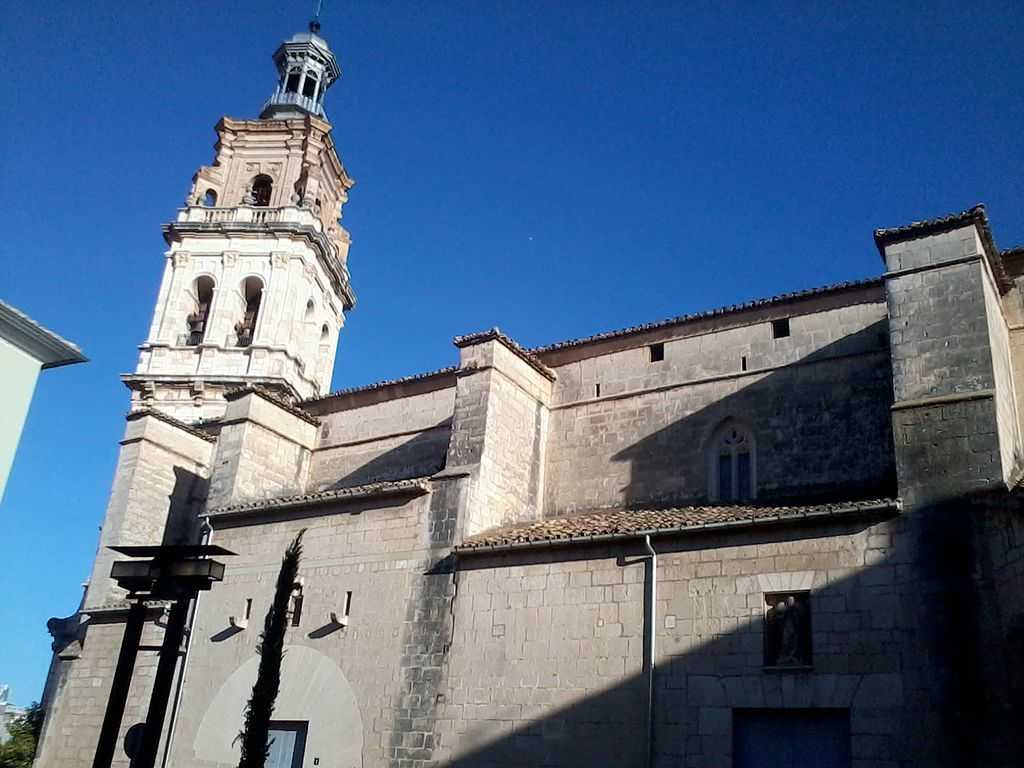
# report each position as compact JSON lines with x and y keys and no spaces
{"x":794,"y":738}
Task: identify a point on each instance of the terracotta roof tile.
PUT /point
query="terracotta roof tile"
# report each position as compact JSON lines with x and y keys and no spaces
{"x":975,"y":215}
{"x":495,"y":334}
{"x":706,"y":314}
{"x":414,"y":486}
{"x":168,"y":419}
{"x":380,"y":385}
{"x":271,"y":397}
{"x":625,"y":523}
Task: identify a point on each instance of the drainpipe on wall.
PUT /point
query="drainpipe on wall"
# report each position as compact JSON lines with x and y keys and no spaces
{"x":650,"y":628}
{"x":207,"y":538}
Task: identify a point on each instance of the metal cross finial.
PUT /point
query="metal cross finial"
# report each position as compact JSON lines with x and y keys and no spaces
{"x":314,"y":25}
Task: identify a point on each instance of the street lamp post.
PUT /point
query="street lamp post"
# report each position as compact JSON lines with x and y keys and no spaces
{"x":175,"y":573}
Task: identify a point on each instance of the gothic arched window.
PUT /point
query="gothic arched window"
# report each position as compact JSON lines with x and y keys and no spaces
{"x":310,"y":311}
{"x":325,"y":334}
{"x":731,"y":468}
{"x":252,"y":294}
{"x":262,"y":186}
{"x":199,"y":317}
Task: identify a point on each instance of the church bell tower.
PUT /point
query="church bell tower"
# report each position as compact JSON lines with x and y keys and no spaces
{"x":256,"y":283}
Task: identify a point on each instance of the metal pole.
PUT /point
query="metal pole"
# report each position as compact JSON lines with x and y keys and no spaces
{"x":162,"y":684}
{"x":119,"y":686}
{"x":650,"y":630}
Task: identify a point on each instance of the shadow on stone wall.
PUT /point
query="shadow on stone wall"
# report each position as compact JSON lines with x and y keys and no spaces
{"x":420,"y":456}
{"x":911,"y":644}
{"x":821,"y":427}
{"x":184,"y":504}
{"x":923,"y":642}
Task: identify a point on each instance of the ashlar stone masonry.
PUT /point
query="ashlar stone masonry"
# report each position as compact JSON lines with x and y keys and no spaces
{"x":569,"y":555}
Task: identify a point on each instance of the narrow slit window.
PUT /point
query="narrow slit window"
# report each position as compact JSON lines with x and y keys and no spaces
{"x":296,"y":609}
{"x":743,"y":363}
{"x":248,"y":607}
{"x":597,"y":389}
{"x":348,"y":603}
{"x":780,"y":328}
{"x":657,"y":352}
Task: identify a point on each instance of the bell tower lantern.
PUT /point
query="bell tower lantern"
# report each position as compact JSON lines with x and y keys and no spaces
{"x":307,"y":68}
{"x":256,"y":282}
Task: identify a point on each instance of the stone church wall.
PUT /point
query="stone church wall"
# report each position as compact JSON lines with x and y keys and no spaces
{"x":377,"y":550}
{"x":76,"y":706}
{"x":546,"y":666}
{"x":816,"y":402}
{"x":389,"y":440}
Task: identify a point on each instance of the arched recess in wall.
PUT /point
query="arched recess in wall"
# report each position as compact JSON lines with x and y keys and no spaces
{"x":262,"y":188}
{"x":314,"y":690}
{"x":310,"y":315}
{"x":198,"y":319}
{"x":252,"y":297}
{"x":731,"y":457}
{"x":210,"y":198}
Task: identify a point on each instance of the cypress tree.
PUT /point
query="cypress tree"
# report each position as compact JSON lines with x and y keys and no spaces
{"x":260,"y":708}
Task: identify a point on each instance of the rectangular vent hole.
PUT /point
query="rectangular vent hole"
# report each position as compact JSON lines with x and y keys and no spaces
{"x":780,"y":328}
{"x":657,"y":352}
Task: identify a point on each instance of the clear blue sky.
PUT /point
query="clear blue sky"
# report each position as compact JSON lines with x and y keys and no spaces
{"x":553,"y":168}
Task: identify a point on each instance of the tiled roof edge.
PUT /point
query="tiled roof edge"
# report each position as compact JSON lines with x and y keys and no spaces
{"x":269,"y":396}
{"x":167,"y":419}
{"x":975,"y":215}
{"x":495,"y":334}
{"x":718,"y":312}
{"x":380,"y":385}
{"x":785,"y":514}
{"x":415,"y":486}
{"x":925,"y":227}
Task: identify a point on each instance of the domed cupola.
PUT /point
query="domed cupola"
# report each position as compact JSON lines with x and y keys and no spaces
{"x":307,"y":68}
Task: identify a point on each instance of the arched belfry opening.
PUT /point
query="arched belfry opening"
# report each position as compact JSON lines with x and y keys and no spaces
{"x":198,"y":319}
{"x":262,"y":188}
{"x":252,"y":295}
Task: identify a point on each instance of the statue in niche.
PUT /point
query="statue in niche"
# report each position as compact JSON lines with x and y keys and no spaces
{"x":787,"y":630}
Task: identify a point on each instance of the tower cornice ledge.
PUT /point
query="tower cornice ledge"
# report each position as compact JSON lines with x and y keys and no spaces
{"x":175,"y":231}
